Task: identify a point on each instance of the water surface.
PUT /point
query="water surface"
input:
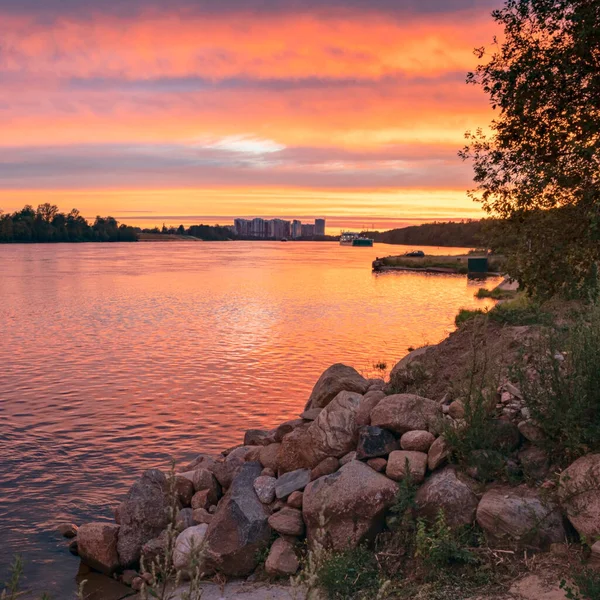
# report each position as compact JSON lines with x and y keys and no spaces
{"x":117,"y":357}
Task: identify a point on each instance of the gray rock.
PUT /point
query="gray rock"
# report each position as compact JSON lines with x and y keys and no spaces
{"x":292,"y":482}
{"x":530,"y":431}
{"x":143,"y":515}
{"x":185,"y":519}
{"x":347,"y":458}
{"x":374,"y":442}
{"x":239,"y":528}
{"x":189,"y":549}
{"x":311,"y":414}
{"x":336,"y":379}
{"x":438,"y":453}
{"x":265,"y":488}
{"x":97,"y":546}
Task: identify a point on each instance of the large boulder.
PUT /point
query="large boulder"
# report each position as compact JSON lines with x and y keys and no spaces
{"x":294,"y":450}
{"x":336,"y":379}
{"x":445,"y":490}
{"x":203,"y":479}
{"x":348,"y":507}
{"x":406,"y":412}
{"x":398,"y":462}
{"x":579,"y":495}
{"x":369,"y":402}
{"x":520,"y":516}
{"x":143,"y":515}
{"x":374,"y":442}
{"x":189,"y":549}
{"x":239,"y":528}
{"x":97,"y":546}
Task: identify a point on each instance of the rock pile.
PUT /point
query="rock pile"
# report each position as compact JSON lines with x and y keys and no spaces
{"x":332,"y":475}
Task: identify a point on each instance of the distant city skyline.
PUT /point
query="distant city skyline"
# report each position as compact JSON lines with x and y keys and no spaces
{"x":258,"y":227}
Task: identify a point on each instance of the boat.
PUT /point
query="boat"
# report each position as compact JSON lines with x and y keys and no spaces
{"x":349,"y":238}
{"x":415,"y":254}
{"x":284,"y":239}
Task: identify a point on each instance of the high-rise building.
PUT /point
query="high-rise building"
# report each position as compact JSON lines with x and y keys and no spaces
{"x":258,"y":228}
{"x":308,"y":230}
{"x":296,"y":229}
{"x":319,"y":226}
{"x":242,"y":227}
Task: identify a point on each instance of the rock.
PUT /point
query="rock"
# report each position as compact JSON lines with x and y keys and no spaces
{"x":128,"y":576}
{"x":243,"y":453}
{"x":117,"y":513}
{"x":398,"y":371}
{"x":513,"y":390}
{"x":288,"y":521}
{"x":519,"y":515}
{"x":295,"y":499}
{"x":374,"y":442}
{"x":282,"y":560}
{"x":506,"y":435}
{"x":189,"y":549}
{"x":456,"y":409}
{"x":239,"y":528}
{"x":278,"y":505}
{"x":294,"y":452}
{"x":325,"y":467}
{"x":417,"y":441}
{"x":406,"y":412}
{"x":225,"y":470}
{"x":438,"y":453}
{"x":292,"y":482}
{"x":97,"y":546}
{"x":184,"y":488}
{"x":534,"y":587}
{"x":74,"y":547}
{"x":202,"y":500}
{"x":154,"y":549}
{"x":376,"y":384}
{"x":530,"y":431}
{"x":579,"y":495}
{"x":369,"y":402}
{"x":535,"y":462}
{"x":377,"y":464}
{"x":265,"y":489}
{"x":445,"y":490}
{"x":202,"y":461}
{"x":347,"y":458}
{"x":143,"y":515}
{"x":268,"y":456}
{"x":397,"y":461}
{"x":266,"y":472}
{"x":352,"y":503}
{"x":258,"y":437}
{"x":311,"y":414}
{"x":337,"y":378}
{"x":185,"y":519}
{"x":595,"y":556}
{"x":201,"y":515}
{"x":203,"y":479}
{"x":67,"y":530}
{"x":285,"y":428}
{"x":136,"y":584}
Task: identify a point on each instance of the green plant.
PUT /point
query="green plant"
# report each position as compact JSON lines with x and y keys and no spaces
{"x":585,"y":585}
{"x":465,"y":314}
{"x":440,"y":546}
{"x":495,"y":294}
{"x":380,"y":366}
{"x":405,"y":499}
{"x":11,"y":587}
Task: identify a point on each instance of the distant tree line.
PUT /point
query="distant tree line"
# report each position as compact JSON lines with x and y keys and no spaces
{"x":207,"y":233}
{"x":48,"y":224}
{"x":465,"y":234}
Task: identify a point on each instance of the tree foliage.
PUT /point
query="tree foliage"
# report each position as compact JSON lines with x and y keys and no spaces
{"x":465,"y":234}
{"x":539,"y":166}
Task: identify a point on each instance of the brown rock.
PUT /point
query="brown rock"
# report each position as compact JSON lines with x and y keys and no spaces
{"x":579,"y":495}
{"x":406,"y":412}
{"x":184,"y":488}
{"x":347,"y":458}
{"x":519,"y":515}
{"x":530,"y":431}
{"x":268,"y":456}
{"x":285,"y":428}
{"x":369,"y":402}
{"x":447,"y":491}
{"x":438,"y":453}
{"x":325,"y":467}
{"x":417,"y":441}
{"x":336,"y":379}
{"x":201,"y":515}
{"x":378,"y":464}
{"x":294,"y":452}
{"x":397,"y":462}
{"x":67,"y":530}
{"x":154,"y":549}
{"x":258,"y":437}
{"x":201,"y":500}
{"x":457,"y":409}
{"x":288,"y":521}
{"x":266,"y":472}
{"x":295,"y":499}
{"x":535,"y":462}
{"x":282,"y":560}
{"x":225,"y":470}
{"x":202,"y":461}
{"x":97,"y":546}
{"x":203,"y":479}
{"x":128,"y":576}
{"x":352,"y":502}
{"x":311,"y":414}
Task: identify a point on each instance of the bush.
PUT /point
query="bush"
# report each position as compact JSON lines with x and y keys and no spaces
{"x":495,"y":294}
{"x":587,"y":586}
{"x":521,"y":310}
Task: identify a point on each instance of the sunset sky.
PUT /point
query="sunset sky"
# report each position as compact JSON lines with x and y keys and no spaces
{"x":196,"y":110}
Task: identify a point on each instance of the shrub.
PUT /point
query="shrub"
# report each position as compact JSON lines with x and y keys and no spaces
{"x":586,"y":585}
{"x":464,"y":315}
{"x":495,"y":294}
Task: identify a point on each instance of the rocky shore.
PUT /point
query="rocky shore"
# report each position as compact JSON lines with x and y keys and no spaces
{"x":330,"y":478}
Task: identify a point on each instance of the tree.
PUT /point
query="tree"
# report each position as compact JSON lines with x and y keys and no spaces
{"x":539,"y":167}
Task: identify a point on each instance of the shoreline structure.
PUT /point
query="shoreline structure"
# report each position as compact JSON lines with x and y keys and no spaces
{"x":331,"y":476}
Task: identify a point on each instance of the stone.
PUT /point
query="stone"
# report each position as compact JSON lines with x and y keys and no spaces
{"x":377,"y":464}
{"x":456,"y":409}
{"x":311,"y":414}
{"x":203,"y":479}
{"x":579,"y":495}
{"x":154,"y":549}
{"x":376,"y":384}
{"x":347,"y":458}
{"x":351,"y":504}
{"x":201,"y":515}
{"x":287,"y":427}
{"x":225,"y":470}
{"x":282,"y":560}
{"x":438,"y":454}
{"x":73,"y":547}
{"x":258,"y":437}
{"x":184,"y":488}
{"x":128,"y":576}
{"x":374,"y":442}
{"x":530,"y":431}
{"x":184,"y":519}
{"x":239,"y":529}
{"x":535,"y":462}
{"x":325,"y":467}
{"x":266,"y":472}
{"x":202,"y":461}
{"x":417,"y":441}
{"x":189,"y":548}
{"x":268,"y":456}
{"x":202,"y":500}
{"x":136,"y":584}
{"x":445,"y":490}
{"x":519,"y":515}
{"x":594,"y":560}
{"x":265,"y":488}
{"x":240,"y":453}
{"x":397,"y":462}
{"x":294,"y":450}
{"x":506,"y":435}
{"x":97,"y":546}
{"x":534,"y":587}
{"x":278,"y":505}
{"x":295,"y":499}
{"x":369,"y":402}
{"x":406,"y":412}
{"x":143,"y":515}
{"x":67,"y":530}
{"x":287,"y":521}
{"x":292,"y":482}
{"x":337,"y":378}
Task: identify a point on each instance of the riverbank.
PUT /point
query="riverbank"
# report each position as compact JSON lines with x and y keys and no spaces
{"x":449,"y":264}
{"x":449,"y":483}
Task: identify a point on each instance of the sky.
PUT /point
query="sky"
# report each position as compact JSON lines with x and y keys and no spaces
{"x":192,"y":111}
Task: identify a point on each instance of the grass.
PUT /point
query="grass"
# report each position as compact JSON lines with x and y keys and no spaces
{"x":495,"y":294}
{"x":585,"y":585}
{"x":520,"y":310}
